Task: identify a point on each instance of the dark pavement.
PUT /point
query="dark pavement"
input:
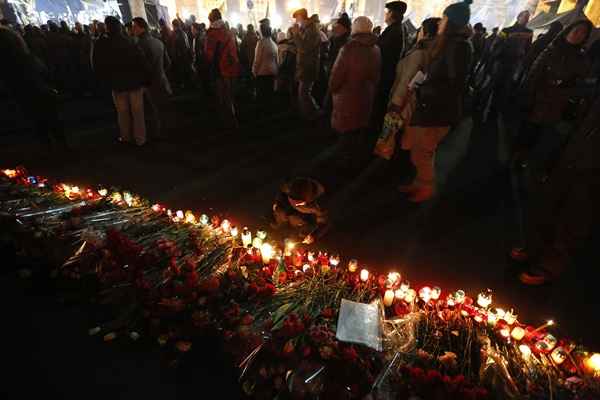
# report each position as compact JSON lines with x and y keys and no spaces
{"x":458,"y":241}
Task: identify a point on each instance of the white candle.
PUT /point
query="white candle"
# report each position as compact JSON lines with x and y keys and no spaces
{"x":388,"y":298}
{"x":410,"y":295}
{"x":364,"y":275}
{"x":559,"y":355}
{"x":225,"y":225}
{"x":518,"y":333}
{"x":525,"y":351}
{"x":435,"y":293}
{"x":485,"y":298}
{"x":393,"y":278}
{"x":257,"y":242}
{"x":266,"y":251}
{"x":246,"y":237}
{"x":425,"y":293}
{"x":234,"y":231}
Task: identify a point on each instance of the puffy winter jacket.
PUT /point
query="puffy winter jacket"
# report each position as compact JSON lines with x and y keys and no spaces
{"x":353,"y":82}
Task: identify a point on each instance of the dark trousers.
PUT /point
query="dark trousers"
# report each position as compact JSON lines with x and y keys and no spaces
{"x":265,"y":88}
{"x":560,"y":216}
{"x":225,"y":97}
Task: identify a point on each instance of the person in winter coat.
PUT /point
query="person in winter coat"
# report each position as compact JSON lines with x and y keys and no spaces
{"x":156,"y":58}
{"x":341,"y":35}
{"x":353,"y":82}
{"x":198,"y":60}
{"x":540,"y":44}
{"x":118,"y":61}
{"x":248,"y":48}
{"x":562,"y":213}
{"x":402,"y":100}
{"x":478,"y":41}
{"x":224,"y":66}
{"x":440,"y":97}
{"x":306,"y":37}
{"x":25,"y":78}
{"x":265,"y":65}
{"x":182,"y":57}
{"x":509,"y":53}
{"x":551,"y":86}
{"x":59,"y":56}
{"x":286,"y":56}
{"x":393,"y":44}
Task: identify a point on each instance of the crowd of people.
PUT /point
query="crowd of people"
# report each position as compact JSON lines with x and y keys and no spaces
{"x":411,"y":89}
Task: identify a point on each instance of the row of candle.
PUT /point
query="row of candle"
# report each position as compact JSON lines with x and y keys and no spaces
{"x":396,"y":289}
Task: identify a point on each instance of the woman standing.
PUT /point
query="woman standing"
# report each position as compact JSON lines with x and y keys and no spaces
{"x":353,"y":82}
{"x":264,"y":67}
{"x":439,"y":99}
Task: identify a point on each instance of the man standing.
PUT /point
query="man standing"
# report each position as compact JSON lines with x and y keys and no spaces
{"x":392,"y":43}
{"x":159,"y":89}
{"x":306,"y":37}
{"x":182,"y":60}
{"x":223,"y":64}
{"x":198,"y":59}
{"x":509,"y":53}
{"x":120,"y":62}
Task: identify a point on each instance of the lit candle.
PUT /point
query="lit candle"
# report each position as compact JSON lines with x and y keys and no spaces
{"x":518,"y":333}
{"x":75,"y":189}
{"x":102,"y":192}
{"x":459,"y":296}
{"x":204,"y":220}
{"x":410,"y":295}
{"x":266,"y":251}
{"x":311,"y":256}
{"x":505,"y":332}
{"x":288,"y":247}
{"x":179,"y":214}
{"x":450,"y":300}
{"x":226,"y":225}
{"x":156,"y":208}
{"x":305,"y":267}
{"x":547,"y":324}
{"x":11,"y":173}
{"x":325,"y":268}
{"x":190,"y":218}
{"x":485,"y":298}
{"x":234,"y":232}
{"x":261,"y":234}
{"x":352,"y":265}
{"x":334,"y":260}
{"x":246,"y":237}
{"x":128,"y":198}
{"x":425,"y":293}
{"x":393,"y":278}
{"x":257,"y":242}
{"x":435,"y":293}
{"x":364,"y":275}
{"x":404,"y":286}
{"x":559,"y":355}
{"x":510,"y":317}
{"x":525,"y":351}
{"x":388,"y":298}
{"x":492,"y":318}
{"x":593,"y":363}
{"x":478,"y":318}
{"x":399,"y":293}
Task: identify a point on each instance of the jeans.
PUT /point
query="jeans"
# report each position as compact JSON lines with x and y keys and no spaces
{"x":130,"y":113}
{"x":306,"y":102}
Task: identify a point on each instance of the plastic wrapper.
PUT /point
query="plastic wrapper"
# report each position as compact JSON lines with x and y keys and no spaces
{"x":360,"y":323}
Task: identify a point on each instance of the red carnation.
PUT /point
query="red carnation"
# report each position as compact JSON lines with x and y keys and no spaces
{"x":247,"y":319}
{"x":288,"y":348}
{"x":433,"y":377}
{"x":350,"y":354}
{"x":282,"y":277}
{"x":327,"y":312}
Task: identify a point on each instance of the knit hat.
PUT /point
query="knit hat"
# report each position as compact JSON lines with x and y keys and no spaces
{"x":344,"y":20}
{"x":362,"y":25}
{"x":459,"y":13}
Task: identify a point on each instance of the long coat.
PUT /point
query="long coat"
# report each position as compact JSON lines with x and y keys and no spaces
{"x":156,"y":57}
{"x":440,"y":98}
{"x":392,"y":46}
{"x":308,"y":47}
{"x":553,"y":78}
{"x":229,"y":64}
{"x":353,"y":82}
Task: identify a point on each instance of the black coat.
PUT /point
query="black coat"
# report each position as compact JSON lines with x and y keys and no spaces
{"x":118,"y":61}
{"x":391,"y":43}
{"x":440,"y":98}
